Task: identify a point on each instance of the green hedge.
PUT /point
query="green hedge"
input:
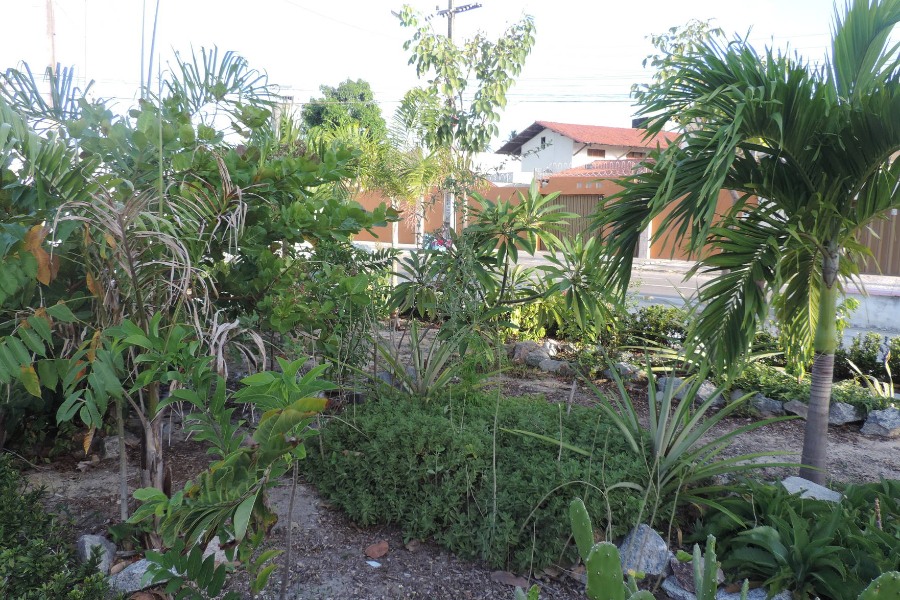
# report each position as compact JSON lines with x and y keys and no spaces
{"x":428,"y":469}
{"x":35,"y":561}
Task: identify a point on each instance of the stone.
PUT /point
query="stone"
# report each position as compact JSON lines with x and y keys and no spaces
{"x":762,"y":406}
{"x":111,"y":446}
{"x":673,"y":588}
{"x":128,"y":580}
{"x":808,"y":489}
{"x":704,"y":392}
{"x":841,"y":413}
{"x":626,"y":371}
{"x":797,"y":408}
{"x":549,"y":365}
{"x":521,"y":350}
{"x":551,"y":347}
{"x":736,"y":394}
{"x":644,"y":550}
{"x":759,"y":593}
{"x":213,"y":548}
{"x":883,"y":423}
{"x":378,"y":549}
{"x":507,"y":578}
{"x":85,"y":543}
{"x":535,"y":357}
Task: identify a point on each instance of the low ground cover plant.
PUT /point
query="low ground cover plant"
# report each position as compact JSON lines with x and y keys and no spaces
{"x":36,"y":561}
{"x":430,"y":469}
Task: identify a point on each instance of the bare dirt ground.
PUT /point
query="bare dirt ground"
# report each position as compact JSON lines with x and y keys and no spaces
{"x":329,"y":551}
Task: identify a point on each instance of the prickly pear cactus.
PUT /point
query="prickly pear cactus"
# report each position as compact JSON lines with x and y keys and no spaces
{"x":581,"y":527}
{"x":885,"y":587}
{"x":604,"y":573}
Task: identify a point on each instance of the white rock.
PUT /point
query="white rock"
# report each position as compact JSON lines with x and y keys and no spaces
{"x":808,"y":489}
{"x":644,"y":550}
{"x":128,"y":580}
{"x":884,"y":423}
{"x":841,"y":413}
{"x":85,"y":543}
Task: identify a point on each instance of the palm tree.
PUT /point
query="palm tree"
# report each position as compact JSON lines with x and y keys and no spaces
{"x":807,"y":151}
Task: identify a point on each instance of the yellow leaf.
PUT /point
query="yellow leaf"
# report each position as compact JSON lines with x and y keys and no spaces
{"x":95,"y":343}
{"x":30,"y":380}
{"x":93,"y":287}
{"x":33,"y":241}
{"x":88,"y":438}
{"x":110,"y":240}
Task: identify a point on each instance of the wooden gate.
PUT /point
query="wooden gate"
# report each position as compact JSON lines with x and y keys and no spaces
{"x":883,"y":239}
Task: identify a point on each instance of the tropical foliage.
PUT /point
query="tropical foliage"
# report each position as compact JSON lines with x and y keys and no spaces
{"x":808,"y":153}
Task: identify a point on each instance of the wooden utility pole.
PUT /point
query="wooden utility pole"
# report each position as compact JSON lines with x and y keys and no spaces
{"x":51,"y":34}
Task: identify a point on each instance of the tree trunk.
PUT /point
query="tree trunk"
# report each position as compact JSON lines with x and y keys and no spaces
{"x":815,"y":440}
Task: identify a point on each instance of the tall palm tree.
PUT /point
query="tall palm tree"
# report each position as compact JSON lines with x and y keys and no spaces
{"x":808,"y":152}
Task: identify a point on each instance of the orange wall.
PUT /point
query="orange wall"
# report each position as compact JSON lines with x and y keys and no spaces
{"x":667,"y":247}
{"x":434,"y":213}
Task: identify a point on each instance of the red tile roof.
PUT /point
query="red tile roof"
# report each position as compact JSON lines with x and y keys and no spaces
{"x":604,"y":169}
{"x":590,"y":134}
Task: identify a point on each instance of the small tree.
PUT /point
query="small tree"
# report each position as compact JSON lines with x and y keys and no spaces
{"x":351,"y":102}
{"x":809,"y":152}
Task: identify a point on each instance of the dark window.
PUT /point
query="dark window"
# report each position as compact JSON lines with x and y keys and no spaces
{"x":598,"y":152}
{"x":543,"y":142}
{"x":637,"y":155}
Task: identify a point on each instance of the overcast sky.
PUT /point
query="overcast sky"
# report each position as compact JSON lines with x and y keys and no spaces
{"x":587,"y":55}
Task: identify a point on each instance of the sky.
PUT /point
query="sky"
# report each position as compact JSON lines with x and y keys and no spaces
{"x":587,"y":54}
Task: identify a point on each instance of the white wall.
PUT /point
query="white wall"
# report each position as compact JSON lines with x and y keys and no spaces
{"x":612,"y":153}
{"x":556,"y":155}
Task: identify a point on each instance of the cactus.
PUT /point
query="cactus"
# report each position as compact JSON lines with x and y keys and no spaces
{"x":601,"y":561}
{"x":604,"y":573}
{"x":581,"y":527}
{"x":885,"y":587}
{"x":705,"y":582}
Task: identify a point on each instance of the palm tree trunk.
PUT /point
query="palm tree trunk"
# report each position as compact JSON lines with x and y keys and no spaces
{"x":815,"y":440}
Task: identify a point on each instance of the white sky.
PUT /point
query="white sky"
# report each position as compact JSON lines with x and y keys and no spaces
{"x":587,"y":54}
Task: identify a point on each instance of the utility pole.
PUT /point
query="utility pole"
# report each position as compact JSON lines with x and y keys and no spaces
{"x":51,"y":34}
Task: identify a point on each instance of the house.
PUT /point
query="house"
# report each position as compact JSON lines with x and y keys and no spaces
{"x":547,"y":147}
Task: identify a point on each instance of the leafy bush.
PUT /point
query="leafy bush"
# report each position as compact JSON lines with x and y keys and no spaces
{"x":35,"y":561}
{"x":778,"y":385}
{"x":867,"y":352}
{"x":428,"y":468}
{"x":804,"y":544}
{"x":658,"y":325}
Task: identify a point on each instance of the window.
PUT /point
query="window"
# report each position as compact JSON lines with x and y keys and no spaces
{"x":543,"y":142}
{"x":578,"y":185}
{"x":597,"y":152}
{"x":637,"y":154}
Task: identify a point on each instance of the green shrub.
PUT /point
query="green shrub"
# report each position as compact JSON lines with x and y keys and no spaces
{"x":866,"y":351}
{"x":428,"y":469}
{"x":35,"y":561}
{"x":657,"y":324}
{"x":778,"y":385}
{"x":813,"y":547}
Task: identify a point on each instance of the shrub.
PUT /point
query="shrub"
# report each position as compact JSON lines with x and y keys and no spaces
{"x":428,"y":469}
{"x":866,"y":351}
{"x":778,"y":385}
{"x":35,"y":561}
{"x":804,"y":544}
{"x":657,"y":324}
